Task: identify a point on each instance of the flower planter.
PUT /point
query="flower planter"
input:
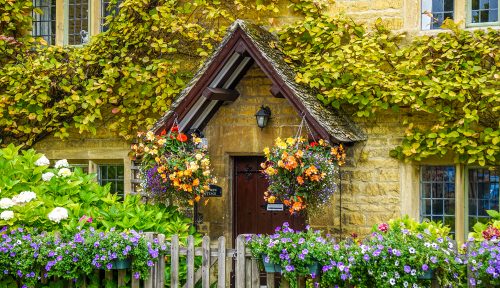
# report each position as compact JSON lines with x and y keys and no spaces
{"x":314,"y":268}
{"x":270,"y":267}
{"x":119,"y":264}
{"x":428,"y":275}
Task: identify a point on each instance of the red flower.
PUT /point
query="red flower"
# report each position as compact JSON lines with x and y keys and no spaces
{"x":163,"y":132}
{"x":182,"y":137}
{"x":174,"y":128}
{"x":383,"y":227}
{"x":314,"y":143}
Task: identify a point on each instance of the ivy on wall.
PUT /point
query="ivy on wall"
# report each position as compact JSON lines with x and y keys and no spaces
{"x":125,"y":78}
{"x":450,"y":79}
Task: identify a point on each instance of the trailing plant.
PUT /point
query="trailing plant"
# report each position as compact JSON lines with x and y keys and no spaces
{"x":301,"y":174}
{"x":174,"y":167}
{"x":125,"y":77}
{"x":450,"y":79}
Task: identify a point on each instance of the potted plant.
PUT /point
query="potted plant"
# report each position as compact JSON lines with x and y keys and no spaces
{"x":300,"y":173}
{"x":175,"y":166}
{"x":291,"y":253}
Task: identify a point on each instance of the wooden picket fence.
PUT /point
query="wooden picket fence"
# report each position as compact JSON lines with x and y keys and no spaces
{"x":217,"y":264}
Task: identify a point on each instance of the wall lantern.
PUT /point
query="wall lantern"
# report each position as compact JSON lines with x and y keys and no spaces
{"x":263,"y":116}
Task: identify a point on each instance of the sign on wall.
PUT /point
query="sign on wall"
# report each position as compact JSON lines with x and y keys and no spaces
{"x":214,"y":191}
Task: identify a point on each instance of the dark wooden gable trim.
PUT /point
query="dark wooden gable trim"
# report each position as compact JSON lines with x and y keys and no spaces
{"x":243,"y":45}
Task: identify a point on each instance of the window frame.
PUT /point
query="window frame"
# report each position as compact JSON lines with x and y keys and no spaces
{"x":116,"y":179}
{"x":468,"y":17}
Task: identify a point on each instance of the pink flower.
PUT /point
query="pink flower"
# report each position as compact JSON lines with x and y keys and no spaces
{"x":383,"y":227}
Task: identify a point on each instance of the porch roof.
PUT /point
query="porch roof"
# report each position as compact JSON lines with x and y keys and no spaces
{"x":215,"y":83}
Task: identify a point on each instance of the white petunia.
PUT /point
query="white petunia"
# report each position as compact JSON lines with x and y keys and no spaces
{"x":6,"y":215}
{"x":6,"y":203}
{"x":24,"y":197}
{"x":58,"y":214}
{"x":64,"y":172}
{"x":42,"y":161}
{"x":47,"y":176}
{"x":61,"y":164}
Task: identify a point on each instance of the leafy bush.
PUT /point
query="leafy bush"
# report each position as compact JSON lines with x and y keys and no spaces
{"x":40,"y":200}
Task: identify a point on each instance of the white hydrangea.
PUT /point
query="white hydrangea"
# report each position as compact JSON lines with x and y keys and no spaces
{"x":47,"y":176}
{"x":24,"y":197}
{"x":61,"y":164}
{"x":64,"y":172}
{"x":42,"y":161}
{"x":6,"y":203}
{"x":6,"y":215}
{"x":58,"y":214}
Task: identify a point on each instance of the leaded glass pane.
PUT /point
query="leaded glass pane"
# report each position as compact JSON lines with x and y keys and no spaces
{"x":44,"y":23}
{"x":78,"y":22}
{"x":482,"y":193}
{"x":113,"y":174}
{"x":437,"y":192}
{"x":484,"y":11}
{"x":434,"y":12}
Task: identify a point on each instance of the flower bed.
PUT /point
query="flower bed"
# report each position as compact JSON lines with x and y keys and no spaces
{"x":71,"y":256}
{"x":400,"y":253}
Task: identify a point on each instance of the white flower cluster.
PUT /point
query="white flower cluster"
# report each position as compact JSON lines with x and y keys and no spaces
{"x":61,"y":164}
{"x":6,"y":215}
{"x":58,"y":214}
{"x":42,"y":161}
{"x":24,"y":197}
{"x":6,"y":203}
{"x":47,"y":176}
{"x":64,"y":172}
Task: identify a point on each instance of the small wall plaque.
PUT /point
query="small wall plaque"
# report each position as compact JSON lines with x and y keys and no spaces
{"x":215,"y":191}
{"x":275,"y":207}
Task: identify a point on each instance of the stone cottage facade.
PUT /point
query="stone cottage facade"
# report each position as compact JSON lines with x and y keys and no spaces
{"x":374,"y":187}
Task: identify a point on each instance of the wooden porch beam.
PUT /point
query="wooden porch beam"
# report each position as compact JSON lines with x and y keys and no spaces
{"x":220,"y":94}
{"x":276,"y":91}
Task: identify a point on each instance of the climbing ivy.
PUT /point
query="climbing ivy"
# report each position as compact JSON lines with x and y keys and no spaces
{"x":123,"y":80}
{"x":451,"y":80}
{"x":126,"y":77}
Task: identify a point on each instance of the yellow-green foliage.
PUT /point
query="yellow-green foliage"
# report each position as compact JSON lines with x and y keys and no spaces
{"x":451,"y":78}
{"x":126,"y":76}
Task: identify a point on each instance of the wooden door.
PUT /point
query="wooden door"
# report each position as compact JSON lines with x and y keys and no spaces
{"x":250,"y":213}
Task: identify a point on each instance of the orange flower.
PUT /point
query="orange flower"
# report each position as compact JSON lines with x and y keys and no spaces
{"x":197,"y":198}
{"x":182,"y":137}
{"x":300,"y":180}
{"x":311,"y":170}
{"x":174,"y":128}
{"x":163,"y":132}
{"x":291,"y":163}
{"x":196,"y":182}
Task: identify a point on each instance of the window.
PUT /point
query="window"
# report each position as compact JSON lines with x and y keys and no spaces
{"x":483,"y":11}
{"x":106,"y":10}
{"x":44,"y":20}
{"x":434,"y":12}
{"x":437,"y":186}
{"x":77,"y":28}
{"x":114,"y":174}
{"x":438,"y":195}
{"x":482,"y":194}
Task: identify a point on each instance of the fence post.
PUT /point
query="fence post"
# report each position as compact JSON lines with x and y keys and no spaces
{"x":221,"y":269}
{"x":121,"y":277}
{"x":205,"y":262}
{"x":174,"y":262}
{"x":240,"y":261}
{"x":190,"y":262}
{"x":270,"y":280}
{"x":255,"y":274}
{"x":148,"y":283}
{"x":160,"y":269}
